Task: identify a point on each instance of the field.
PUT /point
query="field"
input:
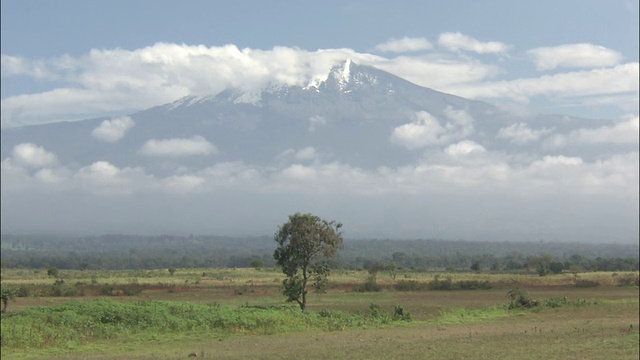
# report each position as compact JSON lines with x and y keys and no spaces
{"x":240,"y":313}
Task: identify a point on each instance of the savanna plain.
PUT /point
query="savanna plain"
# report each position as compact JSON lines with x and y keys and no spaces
{"x":227,"y":313}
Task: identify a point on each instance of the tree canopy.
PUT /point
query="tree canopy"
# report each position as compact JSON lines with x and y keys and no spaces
{"x":305,"y":243}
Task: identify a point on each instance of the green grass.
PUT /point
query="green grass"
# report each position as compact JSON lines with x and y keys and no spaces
{"x":77,"y":323}
{"x":212,"y":317}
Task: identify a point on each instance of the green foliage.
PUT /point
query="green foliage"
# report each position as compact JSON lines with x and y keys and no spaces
{"x":556,"y":267}
{"x":518,"y":298}
{"x":82,"y":322}
{"x":60,"y":288}
{"x":305,"y":243}
{"x":400,"y":314}
{"x":448,"y":284}
{"x":7,"y":294}
{"x":456,"y":316}
{"x":159,"y":252}
{"x":257,"y":263}
{"x":52,"y":272}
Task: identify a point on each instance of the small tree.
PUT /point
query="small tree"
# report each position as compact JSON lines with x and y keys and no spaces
{"x":52,"y":272}
{"x":7,"y":295}
{"x":305,"y":242}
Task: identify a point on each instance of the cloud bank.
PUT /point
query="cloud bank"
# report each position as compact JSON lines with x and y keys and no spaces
{"x":117,"y":81}
{"x":574,"y":56}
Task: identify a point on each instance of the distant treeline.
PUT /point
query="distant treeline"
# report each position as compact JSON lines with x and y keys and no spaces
{"x":155,"y":252}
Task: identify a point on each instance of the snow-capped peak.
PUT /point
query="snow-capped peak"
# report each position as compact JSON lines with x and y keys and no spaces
{"x":343,"y":75}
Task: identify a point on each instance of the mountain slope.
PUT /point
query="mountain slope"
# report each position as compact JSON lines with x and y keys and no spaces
{"x":384,"y":156}
{"x":349,"y":117}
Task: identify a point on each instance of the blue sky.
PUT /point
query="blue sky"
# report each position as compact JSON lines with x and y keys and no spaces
{"x":37,"y":36}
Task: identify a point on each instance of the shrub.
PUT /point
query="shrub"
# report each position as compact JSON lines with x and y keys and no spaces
{"x":437,"y":284}
{"x":410,"y":285}
{"x":519,"y":299}
{"x":59,"y":288}
{"x":400,"y":314}
{"x":448,"y":284}
{"x":369,"y":286}
{"x":22,"y":291}
{"x":472,"y":285}
{"x":586,"y":283}
{"x":52,"y":272}
{"x":628,"y":280}
{"x":130,"y":289}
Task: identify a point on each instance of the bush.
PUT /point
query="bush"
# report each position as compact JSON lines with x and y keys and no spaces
{"x":22,"y":291}
{"x":519,"y":299}
{"x":586,"y":283}
{"x":400,"y":314}
{"x":52,"y":272}
{"x":59,"y":288}
{"x":437,"y":284}
{"x":130,"y":289}
{"x":629,"y":280}
{"x":369,"y":286}
{"x":472,"y":285}
{"x":410,"y":285}
{"x":448,"y":284}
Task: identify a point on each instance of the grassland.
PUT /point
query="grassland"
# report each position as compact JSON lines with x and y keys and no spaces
{"x":240,"y":313}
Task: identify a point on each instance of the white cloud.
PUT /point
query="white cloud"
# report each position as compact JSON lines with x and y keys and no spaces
{"x":457,"y":41}
{"x":439,"y":74}
{"x":520,"y":133}
{"x":32,"y":155}
{"x":558,"y":160}
{"x":113,"y":130}
{"x":104,"y":178}
{"x":623,"y":132}
{"x":426,"y":130}
{"x":109,"y":82}
{"x":405,"y":44}
{"x":16,"y":65}
{"x":194,"y":146}
{"x":463,"y":148}
{"x":308,"y":153}
{"x":574,"y":56}
{"x":597,"y":82}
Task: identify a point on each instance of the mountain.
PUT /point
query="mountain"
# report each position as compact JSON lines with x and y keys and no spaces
{"x":350,"y":117}
{"x":385,"y":156}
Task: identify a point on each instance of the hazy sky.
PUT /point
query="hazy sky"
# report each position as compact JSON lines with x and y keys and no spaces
{"x":74,"y":60}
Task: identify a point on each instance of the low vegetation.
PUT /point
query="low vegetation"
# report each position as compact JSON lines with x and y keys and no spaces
{"x":96,"y":299}
{"x":98,"y":311}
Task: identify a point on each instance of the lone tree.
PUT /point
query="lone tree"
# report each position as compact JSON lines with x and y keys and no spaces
{"x":305,"y":243}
